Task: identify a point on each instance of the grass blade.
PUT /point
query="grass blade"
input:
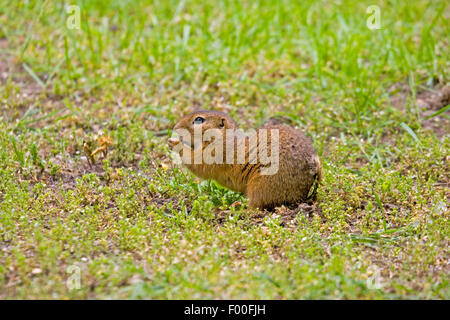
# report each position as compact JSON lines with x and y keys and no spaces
{"x":33,"y":75}
{"x":442,"y":110}
{"x":410,"y":131}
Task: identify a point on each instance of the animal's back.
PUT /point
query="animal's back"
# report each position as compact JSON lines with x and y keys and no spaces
{"x":298,"y":168}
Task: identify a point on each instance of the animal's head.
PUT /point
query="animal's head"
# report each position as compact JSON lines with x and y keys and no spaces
{"x":199,"y":122}
{"x":206,"y":119}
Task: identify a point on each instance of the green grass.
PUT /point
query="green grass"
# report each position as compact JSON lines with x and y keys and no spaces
{"x":138,"y":227}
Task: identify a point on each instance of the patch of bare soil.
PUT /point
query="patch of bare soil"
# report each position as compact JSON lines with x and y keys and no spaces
{"x":288,"y":216}
{"x":4,"y":66}
{"x":28,"y":89}
{"x":9,"y":68}
{"x":428,"y":102}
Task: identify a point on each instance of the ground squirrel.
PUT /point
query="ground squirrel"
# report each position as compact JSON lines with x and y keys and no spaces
{"x":295,"y":165}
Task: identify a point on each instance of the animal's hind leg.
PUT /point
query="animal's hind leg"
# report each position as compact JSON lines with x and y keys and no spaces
{"x":260,"y":195}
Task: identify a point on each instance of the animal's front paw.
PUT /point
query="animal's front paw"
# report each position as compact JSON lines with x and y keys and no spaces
{"x":172,"y":142}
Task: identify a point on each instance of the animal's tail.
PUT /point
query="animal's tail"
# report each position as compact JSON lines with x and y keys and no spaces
{"x":317,"y":180}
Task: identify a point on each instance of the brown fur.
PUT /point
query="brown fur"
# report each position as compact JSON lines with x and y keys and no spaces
{"x":299,"y":165}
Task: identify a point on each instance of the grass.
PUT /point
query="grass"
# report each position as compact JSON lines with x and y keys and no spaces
{"x":135,"y":226}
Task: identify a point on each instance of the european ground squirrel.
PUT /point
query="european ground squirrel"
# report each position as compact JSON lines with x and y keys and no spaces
{"x":276,"y":165}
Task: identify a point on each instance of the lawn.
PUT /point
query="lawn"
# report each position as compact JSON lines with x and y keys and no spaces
{"x":128,"y":223}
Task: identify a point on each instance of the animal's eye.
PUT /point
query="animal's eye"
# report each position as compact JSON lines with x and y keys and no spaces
{"x":199,"y":120}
